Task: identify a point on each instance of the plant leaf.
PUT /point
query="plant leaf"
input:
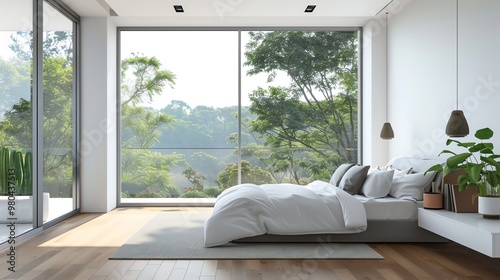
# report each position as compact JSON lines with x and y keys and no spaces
{"x":480,"y":147}
{"x":474,"y":171}
{"x":490,"y":161}
{"x":447,"y":152}
{"x":456,"y":160}
{"x":437,"y":167}
{"x":484,"y":133}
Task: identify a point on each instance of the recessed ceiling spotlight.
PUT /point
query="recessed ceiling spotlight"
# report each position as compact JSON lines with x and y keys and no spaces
{"x":310,"y":8}
{"x":178,"y":9}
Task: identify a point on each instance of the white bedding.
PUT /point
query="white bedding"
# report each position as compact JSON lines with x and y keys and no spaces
{"x":248,"y":210}
{"x":389,"y":208}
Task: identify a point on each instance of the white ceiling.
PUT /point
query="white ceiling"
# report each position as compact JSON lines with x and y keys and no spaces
{"x":232,"y":12}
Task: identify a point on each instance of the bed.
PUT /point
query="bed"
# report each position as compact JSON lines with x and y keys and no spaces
{"x":390,"y":217}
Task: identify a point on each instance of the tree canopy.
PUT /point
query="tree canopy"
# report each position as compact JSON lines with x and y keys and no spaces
{"x":317,"y":113}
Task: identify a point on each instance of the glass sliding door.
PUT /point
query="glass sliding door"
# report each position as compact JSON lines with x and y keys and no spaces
{"x":16,"y":118}
{"x":59,"y":188}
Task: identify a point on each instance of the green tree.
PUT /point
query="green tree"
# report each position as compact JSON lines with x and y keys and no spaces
{"x":142,"y":168}
{"x":55,"y":44}
{"x":142,"y":79}
{"x":229,"y":176}
{"x":317,"y":113}
{"x":141,"y":127}
{"x":194,"y":178}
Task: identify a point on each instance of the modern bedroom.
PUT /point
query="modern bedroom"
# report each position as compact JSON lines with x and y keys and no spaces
{"x":250,"y":140}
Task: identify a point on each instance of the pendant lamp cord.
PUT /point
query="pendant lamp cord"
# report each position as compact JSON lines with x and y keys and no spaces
{"x":457,"y":56}
{"x":386,"y":68}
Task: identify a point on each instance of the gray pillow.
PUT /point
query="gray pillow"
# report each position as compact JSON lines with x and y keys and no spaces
{"x":411,"y":186}
{"x":353,"y":179}
{"x":339,"y":173}
{"x":378,"y":183}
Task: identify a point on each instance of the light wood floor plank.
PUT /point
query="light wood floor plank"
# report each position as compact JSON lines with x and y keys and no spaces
{"x":148,"y":272}
{"x":177,"y":274}
{"x":223,"y":274}
{"x":194,"y":270}
{"x":107,"y":268}
{"x":86,"y":274}
{"x":131,"y":275}
{"x":120,"y":270}
{"x":209,"y":268}
{"x":389,"y":274}
{"x":165,"y":270}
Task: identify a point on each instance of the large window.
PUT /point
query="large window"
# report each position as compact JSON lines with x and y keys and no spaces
{"x":37,"y":115}
{"x":58,"y":113}
{"x":16,"y":118}
{"x":204,"y":110}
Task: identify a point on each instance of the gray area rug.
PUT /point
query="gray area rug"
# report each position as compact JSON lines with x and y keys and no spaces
{"x":178,"y":235}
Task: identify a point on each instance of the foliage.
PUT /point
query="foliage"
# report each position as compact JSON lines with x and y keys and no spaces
{"x":16,"y":128}
{"x":318,"y":112}
{"x":172,"y":190}
{"x":194,"y":194}
{"x":194,"y":178}
{"x":15,"y":85}
{"x":21,"y":165}
{"x":152,"y":192}
{"x":212,"y":191}
{"x":481,"y":165}
{"x":55,"y":44}
{"x":145,"y":168}
{"x":141,"y":127}
{"x":229,"y":176}
{"x":142,"y":79}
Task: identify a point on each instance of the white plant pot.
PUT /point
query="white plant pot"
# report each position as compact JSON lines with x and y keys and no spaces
{"x":489,"y":206}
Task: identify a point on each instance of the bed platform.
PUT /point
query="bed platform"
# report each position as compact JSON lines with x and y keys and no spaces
{"x":378,"y":231}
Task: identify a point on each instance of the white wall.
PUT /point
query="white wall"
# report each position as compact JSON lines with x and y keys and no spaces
{"x":374,"y":89}
{"x":422,"y":72}
{"x":98,"y":115}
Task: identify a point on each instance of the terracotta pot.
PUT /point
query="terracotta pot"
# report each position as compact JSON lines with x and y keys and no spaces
{"x":433,"y":200}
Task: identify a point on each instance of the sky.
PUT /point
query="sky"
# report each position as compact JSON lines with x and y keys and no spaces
{"x":205,"y":64}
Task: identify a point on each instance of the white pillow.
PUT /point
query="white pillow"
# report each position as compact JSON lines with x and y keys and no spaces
{"x":399,"y":173}
{"x":411,"y":185}
{"x":378,"y":183}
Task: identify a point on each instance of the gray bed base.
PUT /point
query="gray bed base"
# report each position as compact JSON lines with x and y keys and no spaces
{"x":378,"y":231}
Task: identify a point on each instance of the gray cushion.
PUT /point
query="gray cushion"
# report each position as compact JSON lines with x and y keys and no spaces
{"x":353,"y":179}
{"x":339,"y":173}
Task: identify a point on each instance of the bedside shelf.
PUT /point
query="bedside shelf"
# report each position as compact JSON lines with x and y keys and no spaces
{"x":468,"y":229}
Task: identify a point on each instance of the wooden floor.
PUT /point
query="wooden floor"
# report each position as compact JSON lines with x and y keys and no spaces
{"x":79,"y":247}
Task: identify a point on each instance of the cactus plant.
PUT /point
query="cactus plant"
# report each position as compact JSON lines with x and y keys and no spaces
{"x":17,"y":165}
{"x":28,"y":173}
{"x":23,"y":169}
{"x":4,"y":170}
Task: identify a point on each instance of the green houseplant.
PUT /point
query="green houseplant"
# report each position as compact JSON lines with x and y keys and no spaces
{"x":22,"y":165}
{"x":480,"y":163}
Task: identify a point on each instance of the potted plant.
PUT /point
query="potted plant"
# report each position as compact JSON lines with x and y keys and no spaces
{"x":481,"y":169}
{"x":21,"y":166}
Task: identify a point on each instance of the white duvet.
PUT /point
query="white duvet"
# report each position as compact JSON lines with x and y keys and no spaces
{"x":248,"y":210}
